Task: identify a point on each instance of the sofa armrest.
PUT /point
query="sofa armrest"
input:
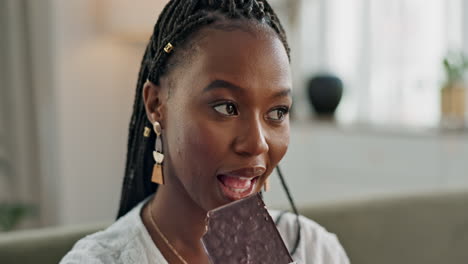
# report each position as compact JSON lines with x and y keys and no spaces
{"x":46,"y":245}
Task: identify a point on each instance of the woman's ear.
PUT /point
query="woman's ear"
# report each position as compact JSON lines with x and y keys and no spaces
{"x":154,"y":101}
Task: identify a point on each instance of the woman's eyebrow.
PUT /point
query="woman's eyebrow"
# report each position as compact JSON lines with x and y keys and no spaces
{"x":283,"y":93}
{"x":217,"y":84}
{"x":221,"y":84}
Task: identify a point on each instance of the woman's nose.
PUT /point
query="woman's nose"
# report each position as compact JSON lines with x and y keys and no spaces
{"x":250,"y":139}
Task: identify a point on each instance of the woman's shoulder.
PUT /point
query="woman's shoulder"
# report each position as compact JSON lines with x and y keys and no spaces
{"x":316,"y":244}
{"x":122,"y":242}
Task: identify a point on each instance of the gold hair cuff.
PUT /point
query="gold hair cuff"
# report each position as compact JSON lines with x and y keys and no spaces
{"x":168,"y":48}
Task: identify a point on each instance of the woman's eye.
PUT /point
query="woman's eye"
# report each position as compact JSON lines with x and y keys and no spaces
{"x":228,"y":109}
{"x":278,"y":114}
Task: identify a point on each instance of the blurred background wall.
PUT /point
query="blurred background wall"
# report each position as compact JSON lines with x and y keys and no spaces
{"x":69,"y":71}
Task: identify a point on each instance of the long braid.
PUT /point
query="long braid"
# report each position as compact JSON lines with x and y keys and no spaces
{"x":177,"y":21}
{"x":293,"y":205}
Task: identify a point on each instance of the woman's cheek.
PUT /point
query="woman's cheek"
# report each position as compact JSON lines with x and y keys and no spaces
{"x":279,"y":142}
{"x":205,"y":144}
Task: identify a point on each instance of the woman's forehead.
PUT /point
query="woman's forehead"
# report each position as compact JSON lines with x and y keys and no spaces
{"x":242,"y":56}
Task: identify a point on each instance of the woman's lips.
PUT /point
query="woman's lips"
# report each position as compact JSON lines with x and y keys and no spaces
{"x":236,"y":187}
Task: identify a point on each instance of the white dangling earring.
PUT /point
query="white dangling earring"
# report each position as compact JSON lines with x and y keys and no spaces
{"x":158,"y":156}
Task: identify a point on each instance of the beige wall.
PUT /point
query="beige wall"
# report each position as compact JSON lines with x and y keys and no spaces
{"x":95,"y":72}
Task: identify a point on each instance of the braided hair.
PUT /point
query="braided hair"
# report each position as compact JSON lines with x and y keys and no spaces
{"x":178,"y":21}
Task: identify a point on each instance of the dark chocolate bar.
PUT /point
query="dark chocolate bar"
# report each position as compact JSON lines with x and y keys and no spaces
{"x":243,"y":232}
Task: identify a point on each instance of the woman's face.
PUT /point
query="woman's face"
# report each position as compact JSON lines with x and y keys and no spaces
{"x":225,"y":122}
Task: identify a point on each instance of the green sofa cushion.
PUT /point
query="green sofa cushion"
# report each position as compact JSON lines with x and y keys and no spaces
{"x":42,"y":246}
{"x":425,"y":229}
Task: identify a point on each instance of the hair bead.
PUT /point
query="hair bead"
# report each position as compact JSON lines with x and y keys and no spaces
{"x":168,"y":48}
{"x":147,"y":132}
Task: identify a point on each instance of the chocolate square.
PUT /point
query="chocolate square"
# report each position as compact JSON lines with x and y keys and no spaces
{"x":243,"y":232}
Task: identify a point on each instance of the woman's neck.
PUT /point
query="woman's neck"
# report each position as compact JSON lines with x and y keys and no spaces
{"x":180,"y":219}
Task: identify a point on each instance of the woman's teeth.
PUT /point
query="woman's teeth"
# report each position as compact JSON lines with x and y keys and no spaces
{"x":236,"y":182}
{"x":237,"y":186}
{"x":238,"y":190}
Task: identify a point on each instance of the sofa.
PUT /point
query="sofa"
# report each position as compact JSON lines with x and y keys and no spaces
{"x":429,"y":228}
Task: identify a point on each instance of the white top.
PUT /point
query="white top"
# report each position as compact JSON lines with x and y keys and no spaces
{"x":127,"y":241}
